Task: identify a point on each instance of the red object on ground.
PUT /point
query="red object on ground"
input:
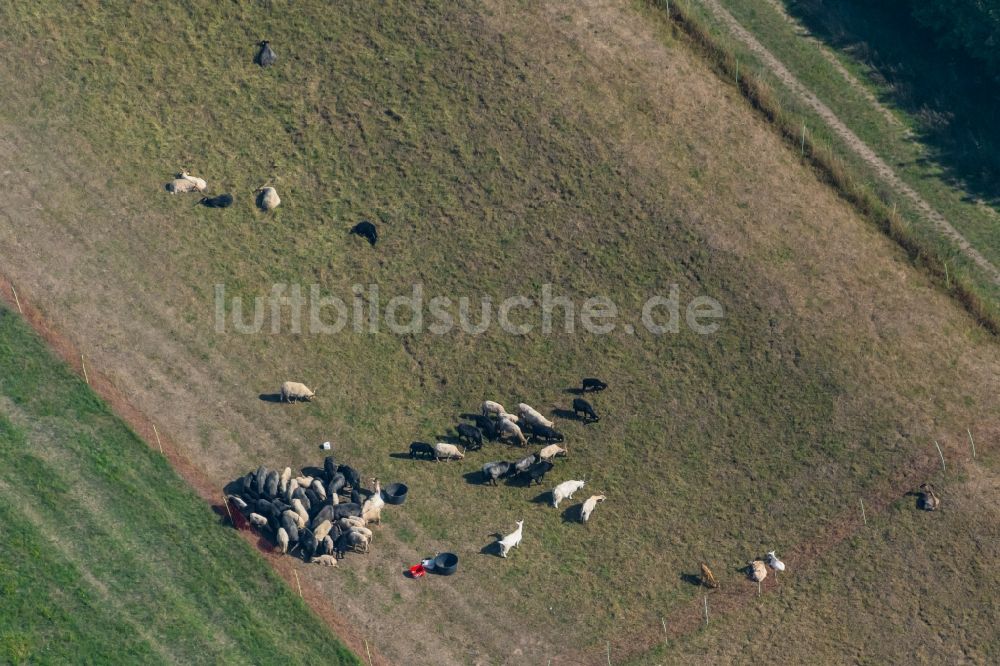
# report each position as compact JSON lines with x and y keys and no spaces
{"x":418,"y":570}
{"x":239,"y":520}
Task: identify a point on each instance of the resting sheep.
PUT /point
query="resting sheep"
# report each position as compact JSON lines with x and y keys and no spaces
{"x":588,"y":506}
{"x":324,"y":560}
{"x":511,"y":540}
{"x":265,"y":57}
{"x":267,"y":198}
{"x":181,"y":186}
{"x":366,"y":230}
{"x":199,"y":184}
{"x":258,"y":520}
{"x":444,"y":451}
{"x":565,"y":490}
{"x":295,"y":391}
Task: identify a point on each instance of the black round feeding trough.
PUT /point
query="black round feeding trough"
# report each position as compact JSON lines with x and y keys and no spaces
{"x":395,"y":493}
{"x":445,"y":564}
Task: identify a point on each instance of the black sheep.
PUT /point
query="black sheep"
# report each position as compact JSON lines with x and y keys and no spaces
{"x":524,"y":464}
{"x":497,"y":470}
{"x":421,"y":449}
{"x":260,"y":478}
{"x":265,"y":57}
{"x":538,"y":471}
{"x":351,"y":474}
{"x":329,"y":467}
{"x":592,"y":384}
{"x":581,"y":406}
{"x":487,"y":426}
{"x":290,"y":527}
{"x":471,"y":435}
{"x":545,"y":433}
{"x":366,"y":229}
{"x":221,"y":201}
{"x":346,"y":509}
{"x":336,"y":483}
{"x":271,"y":484}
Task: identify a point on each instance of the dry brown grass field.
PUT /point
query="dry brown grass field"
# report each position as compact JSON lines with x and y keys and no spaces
{"x":501,"y":146}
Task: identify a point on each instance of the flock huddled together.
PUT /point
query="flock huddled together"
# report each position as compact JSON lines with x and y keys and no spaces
{"x":494,"y":423}
{"x":323,"y":515}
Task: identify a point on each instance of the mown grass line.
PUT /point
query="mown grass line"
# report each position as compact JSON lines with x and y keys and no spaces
{"x":104,"y":538}
{"x":924,"y":248}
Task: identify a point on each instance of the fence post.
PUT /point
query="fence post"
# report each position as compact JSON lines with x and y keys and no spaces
{"x":16,"y":299}
{"x":943,"y":468}
{"x":83,"y":366}
{"x":863,"y":517}
{"x":973,"y":442}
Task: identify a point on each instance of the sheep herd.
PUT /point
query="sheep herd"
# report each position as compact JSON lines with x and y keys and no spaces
{"x":495,"y":424}
{"x":323,"y":514}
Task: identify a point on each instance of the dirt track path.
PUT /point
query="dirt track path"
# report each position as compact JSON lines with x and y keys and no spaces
{"x":859,"y":147}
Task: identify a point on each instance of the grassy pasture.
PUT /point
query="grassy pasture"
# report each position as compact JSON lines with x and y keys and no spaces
{"x":108,"y":557}
{"x":500,"y":148}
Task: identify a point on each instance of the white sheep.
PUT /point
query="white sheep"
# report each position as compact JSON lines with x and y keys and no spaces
{"x":565,"y":490}
{"x":588,"y":507}
{"x":181,"y":186}
{"x":508,"y":427}
{"x":300,"y":509}
{"x":447,"y":451}
{"x":292,"y":486}
{"x":511,"y":540}
{"x":295,"y":391}
{"x":303,"y":481}
{"x":237,"y":500}
{"x":322,"y":530}
{"x":324,"y":560}
{"x":268,"y":199}
{"x":531,"y":415}
{"x":348,"y":522}
{"x":258,"y":520}
{"x":756,"y":571}
{"x":775,"y":563}
{"x":363,"y":531}
{"x":551,"y":451}
{"x":489,"y":407}
{"x":317,"y":487}
{"x":283,"y":539}
{"x":286,"y":476}
{"x":198,"y":183}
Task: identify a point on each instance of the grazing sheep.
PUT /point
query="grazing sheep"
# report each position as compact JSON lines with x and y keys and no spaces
{"x":538,"y":471}
{"x":348,"y":522}
{"x":266,"y":56}
{"x":565,"y":490}
{"x":336,"y":483}
{"x":237,"y":500}
{"x":495,"y":408}
{"x":303,"y":481}
{"x":321,"y":530}
{"x":533,"y":416}
{"x":295,"y":391}
{"x":363,"y":531}
{"x":283,"y":539}
{"x":329,"y":467}
{"x":775,"y":563}
{"x":756,"y":571}
{"x":551,"y":451}
{"x":293,"y":485}
{"x":366,"y":230}
{"x":524,"y":464}
{"x":545,"y":433}
{"x":350,"y":541}
{"x":258,"y":520}
{"x":220,"y":201}
{"x":928,"y":500}
{"x":324,"y":560}
{"x":314,"y":500}
{"x":326,"y":513}
{"x":443,"y":451}
{"x":290,"y":519}
{"x":471,"y":435}
{"x":511,"y":540}
{"x":508,"y":427}
{"x":421,"y":449}
{"x":317,"y":487}
{"x":181,"y":186}
{"x":497,"y":470}
{"x":286,"y":476}
{"x":308,"y":544}
{"x":581,"y":406}
{"x":487,"y":426}
{"x":346,"y":509}
{"x":592,"y":384}
{"x":326,"y":546}
{"x":707,"y":579}
{"x":199,"y":184}
{"x":260,"y":479}
{"x":588,"y":506}
{"x":267,"y":199}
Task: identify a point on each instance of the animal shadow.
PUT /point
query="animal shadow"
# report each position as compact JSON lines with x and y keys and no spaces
{"x":543,"y":498}
{"x":449,"y":439}
{"x":475,"y":478}
{"x":270,"y":397}
{"x":401,"y":455}
{"x":468,"y":416}
{"x":573,"y":513}
{"x":573,"y":390}
{"x":693,"y":579}
{"x":568,"y":414}
{"x":493,"y":547}
{"x":315,"y":472}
